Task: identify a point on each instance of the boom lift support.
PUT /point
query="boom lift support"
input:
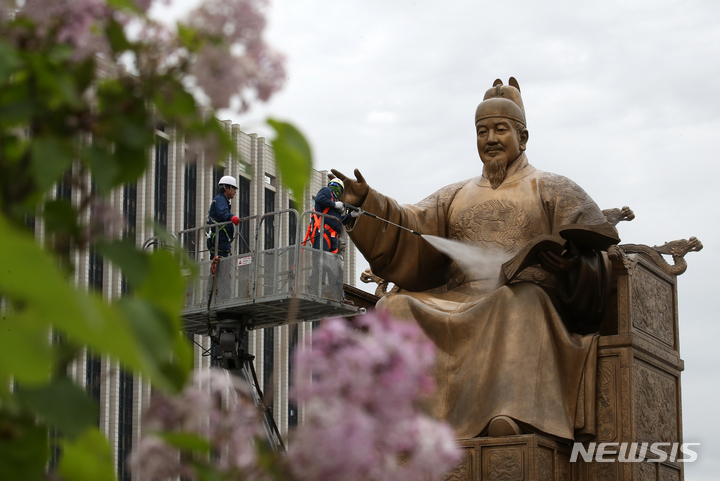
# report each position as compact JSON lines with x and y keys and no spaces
{"x":259,"y":286}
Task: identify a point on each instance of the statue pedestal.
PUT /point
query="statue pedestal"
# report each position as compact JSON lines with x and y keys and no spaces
{"x":532,"y":457}
{"x":529,"y":457}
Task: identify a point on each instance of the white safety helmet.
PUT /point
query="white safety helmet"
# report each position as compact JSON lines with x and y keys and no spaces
{"x":228,"y":180}
{"x":339,"y":183}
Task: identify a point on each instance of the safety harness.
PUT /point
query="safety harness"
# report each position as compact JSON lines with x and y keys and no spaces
{"x":316,"y":224}
{"x":212,"y":232}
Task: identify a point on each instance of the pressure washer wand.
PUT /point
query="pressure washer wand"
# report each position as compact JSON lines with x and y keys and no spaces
{"x":358,"y":209}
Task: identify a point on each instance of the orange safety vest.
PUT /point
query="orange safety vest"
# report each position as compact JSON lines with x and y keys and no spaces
{"x":314,"y":228}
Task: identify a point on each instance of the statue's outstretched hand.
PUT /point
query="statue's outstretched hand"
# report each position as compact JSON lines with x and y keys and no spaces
{"x":355,"y":189}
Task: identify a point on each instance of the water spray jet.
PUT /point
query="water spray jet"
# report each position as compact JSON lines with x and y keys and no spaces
{"x":477,"y":262}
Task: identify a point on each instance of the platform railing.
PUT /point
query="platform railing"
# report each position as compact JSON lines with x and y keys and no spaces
{"x":320,"y":273}
{"x":266,"y":267}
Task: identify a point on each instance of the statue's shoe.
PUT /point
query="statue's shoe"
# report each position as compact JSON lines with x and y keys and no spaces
{"x":503,"y":426}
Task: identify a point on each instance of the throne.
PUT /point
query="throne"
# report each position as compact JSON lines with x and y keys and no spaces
{"x":637,"y":385}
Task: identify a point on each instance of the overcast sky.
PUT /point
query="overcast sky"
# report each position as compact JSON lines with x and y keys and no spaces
{"x":620,"y":96}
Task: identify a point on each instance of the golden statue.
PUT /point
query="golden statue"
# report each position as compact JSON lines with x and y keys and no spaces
{"x":516,"y":358}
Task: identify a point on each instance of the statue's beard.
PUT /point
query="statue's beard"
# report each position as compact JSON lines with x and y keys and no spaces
{"x":495,"y":171}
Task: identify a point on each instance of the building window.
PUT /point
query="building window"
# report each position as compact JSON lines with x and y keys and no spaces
{"x":190,"y":196}
{"x":268,"y":362}
{"x":218,"y":173}
{"x":125,"y":422}
{"x":56,"y":451}
{"x":93,"y":375}
{"x":63,"y":189}
{"x":130,"y":215}
{"x":95,"y":271}
{"x":55,"y":437}
{"x":95,"y":261}
{"x":269,"y":338}
{"x":30,"y":222}
{"x":161,"y":180}
{"x":292,"y":406}
{"x":269,"y":221}
{"x":130,"y":211}
{"x":243,"y":202}
{"x":189,"y":207}
{"x":292,"y":224}
{"x":60,"y":241}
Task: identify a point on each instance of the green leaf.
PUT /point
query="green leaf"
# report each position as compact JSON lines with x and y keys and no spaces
{"x":61,"y":217}
{"x":292,"y":156}
{"x":133,"y":162}
{"x":51,"y":158}
{"x":9,"y":60}
{"x":174,"y":101}
{"x":25,"y":350}
{"x":175,"y":371}
{"x":153,"y":328}
{"x":17,"y":112}
{"x":269,"y":461}
{"x":62,"y":404}
{"x":215,"y":133}
{"x":55,"y":87}
{"x":186,"y":441}
{"x":29,"y":276}
{"x":85,"y":74}
{"x":116,"y":35}
{"x":23,"y":448}
{"x":135,"y":264}
{"x":104,"y":167}
{"x":88,"y":458}
{"x":164,"y":285}
{"x":121,"y":4}
{"x":189,"y":37}
{"x":207,"y":472}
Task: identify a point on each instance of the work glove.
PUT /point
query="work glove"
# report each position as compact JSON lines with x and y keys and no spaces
{"x":339,"y":206}
{"x":235,"y":220}
{"x":355,"y":213}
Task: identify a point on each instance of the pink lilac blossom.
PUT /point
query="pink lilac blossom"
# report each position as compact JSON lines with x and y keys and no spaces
{"x":241,"y":62}
{"x":145,"y":4}
{"x":215,"y":407}
{"x":360,"y":391}
{"x":78,"y":23}
{"x":105,"y":221}
{"x":161,"y":52}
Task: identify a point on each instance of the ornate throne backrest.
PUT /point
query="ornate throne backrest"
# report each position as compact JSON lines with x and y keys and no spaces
{"x":638,"y":371}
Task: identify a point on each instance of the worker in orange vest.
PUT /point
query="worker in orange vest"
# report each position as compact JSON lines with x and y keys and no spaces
{"x":324,"y":233}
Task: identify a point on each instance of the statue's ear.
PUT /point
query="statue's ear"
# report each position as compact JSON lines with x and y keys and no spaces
{"x":514,"y":83}
{"x":497,"y":82}
{"x":524,"y":136}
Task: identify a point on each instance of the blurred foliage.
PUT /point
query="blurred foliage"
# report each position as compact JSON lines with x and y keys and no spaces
{"x":68,"y":119}
{"x":293,"y":157}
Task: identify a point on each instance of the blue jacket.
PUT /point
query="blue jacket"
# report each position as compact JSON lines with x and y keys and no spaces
{"x":220,"y":212}
{"x":326,"y":238}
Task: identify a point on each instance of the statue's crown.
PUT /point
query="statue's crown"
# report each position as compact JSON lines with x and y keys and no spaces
{"x":502,"y":101}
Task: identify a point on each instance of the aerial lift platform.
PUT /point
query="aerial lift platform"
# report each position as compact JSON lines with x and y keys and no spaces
{"x":269,"y":279}
{"x":256,"y":287}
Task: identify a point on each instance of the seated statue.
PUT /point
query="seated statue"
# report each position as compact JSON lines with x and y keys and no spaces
{"x":514,"y":358}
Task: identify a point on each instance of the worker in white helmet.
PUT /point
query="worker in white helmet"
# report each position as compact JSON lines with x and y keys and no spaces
{"x":219,"y":213}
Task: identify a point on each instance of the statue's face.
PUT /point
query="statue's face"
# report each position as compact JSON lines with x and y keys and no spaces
{"x":499,"y":140}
